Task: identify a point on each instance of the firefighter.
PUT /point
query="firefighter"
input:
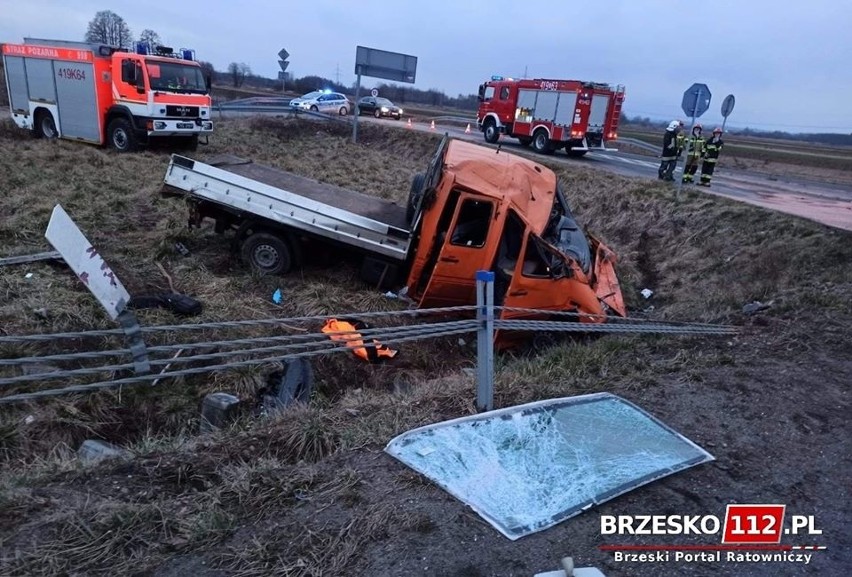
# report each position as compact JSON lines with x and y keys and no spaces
{"x":671,"y":151}
{"x":694,"y":152}
{"x":711,"y":156}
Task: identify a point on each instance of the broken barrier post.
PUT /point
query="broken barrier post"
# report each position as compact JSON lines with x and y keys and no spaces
{"x":485,"y":340}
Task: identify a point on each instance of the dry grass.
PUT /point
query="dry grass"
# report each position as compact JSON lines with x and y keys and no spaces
{"x":298,"y":479}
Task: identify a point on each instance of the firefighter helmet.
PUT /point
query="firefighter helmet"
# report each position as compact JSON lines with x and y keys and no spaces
{"x":698,"y":126}
{"x":674,"y":124}
{"x":717,"y":129}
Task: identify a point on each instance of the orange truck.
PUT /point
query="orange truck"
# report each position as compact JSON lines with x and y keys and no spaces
{"x":106,"y":95}
{"x":473,"y":209}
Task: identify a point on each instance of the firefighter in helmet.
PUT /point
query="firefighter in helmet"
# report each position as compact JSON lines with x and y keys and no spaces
{"x":711,"y":155}
{"x":694,"y":152}
{"x":671,"y":151}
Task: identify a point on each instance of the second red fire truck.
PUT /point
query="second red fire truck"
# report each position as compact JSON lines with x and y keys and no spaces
{"x":550,"y":114}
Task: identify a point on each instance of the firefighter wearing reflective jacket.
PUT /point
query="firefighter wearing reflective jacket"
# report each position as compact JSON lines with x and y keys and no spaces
{"x":694,"y":152}
{"x":711,"y":155}
{"x":371,"y":353}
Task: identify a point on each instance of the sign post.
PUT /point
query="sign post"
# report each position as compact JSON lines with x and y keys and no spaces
{"x":727,"y":108}
{"x":283,"y":63}
{"x":696,"y":101}
{"x":380,"y":64}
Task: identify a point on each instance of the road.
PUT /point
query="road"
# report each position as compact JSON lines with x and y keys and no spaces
{"x":822,"y":202}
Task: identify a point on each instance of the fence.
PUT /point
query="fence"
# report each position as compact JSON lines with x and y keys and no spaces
{"x":154,"y":362}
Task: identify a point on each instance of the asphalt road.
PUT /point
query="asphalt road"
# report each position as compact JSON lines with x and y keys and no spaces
{"x":829,"y":204}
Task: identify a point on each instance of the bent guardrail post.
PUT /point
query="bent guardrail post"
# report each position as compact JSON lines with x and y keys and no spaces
{"x":135,"y":342}
{"x":485,"y":340}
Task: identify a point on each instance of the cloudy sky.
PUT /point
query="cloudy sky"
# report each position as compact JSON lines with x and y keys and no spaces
{"x":787,"y":63}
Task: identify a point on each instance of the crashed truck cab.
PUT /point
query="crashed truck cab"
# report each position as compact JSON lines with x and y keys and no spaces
{"x":477,"y":209}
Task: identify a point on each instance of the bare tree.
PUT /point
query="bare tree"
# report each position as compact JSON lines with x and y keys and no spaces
{"x":238,"y":72}
{"x":150,"y":37}
{"x":107,"y":27}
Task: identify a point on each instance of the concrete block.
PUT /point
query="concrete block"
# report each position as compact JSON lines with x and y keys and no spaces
{"x":95,"y":451}
{"x":218,"y":410}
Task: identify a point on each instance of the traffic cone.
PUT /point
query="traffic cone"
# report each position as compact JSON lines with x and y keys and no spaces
{"x":432,"y":126}
{"x":409,"y":123}
{"x":467,"y":130}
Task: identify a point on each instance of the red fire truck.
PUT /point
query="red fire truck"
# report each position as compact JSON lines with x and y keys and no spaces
{"x":107,"y":95}
{"x":550,"y":114}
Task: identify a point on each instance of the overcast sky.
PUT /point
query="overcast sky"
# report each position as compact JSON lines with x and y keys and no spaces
{"x":787,"y":62}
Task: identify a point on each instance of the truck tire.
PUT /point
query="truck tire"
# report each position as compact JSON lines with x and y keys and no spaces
{"x":541,"y":142}
{"x":267,"y":253}
{"x":490,"y":131}
{"x":414,"y":196}
{"x":120,"y":136}
{"x":45,"y":126}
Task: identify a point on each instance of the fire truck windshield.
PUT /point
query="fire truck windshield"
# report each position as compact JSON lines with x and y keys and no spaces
{"x":175,"y":77}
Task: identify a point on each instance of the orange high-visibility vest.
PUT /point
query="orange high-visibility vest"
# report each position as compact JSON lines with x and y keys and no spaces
{"x":370,"y":353}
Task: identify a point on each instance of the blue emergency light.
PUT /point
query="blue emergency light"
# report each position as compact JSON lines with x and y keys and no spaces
{"x":496,"y":78}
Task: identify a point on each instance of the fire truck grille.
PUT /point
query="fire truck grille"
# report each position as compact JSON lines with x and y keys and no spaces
{"x":182,"y":111}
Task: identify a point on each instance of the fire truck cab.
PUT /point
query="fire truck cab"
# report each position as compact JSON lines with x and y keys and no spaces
{"x":106,"y":95}
{"x":550,"y":114}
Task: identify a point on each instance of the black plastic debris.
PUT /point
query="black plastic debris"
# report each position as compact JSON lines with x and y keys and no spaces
{"x":294,"y":385}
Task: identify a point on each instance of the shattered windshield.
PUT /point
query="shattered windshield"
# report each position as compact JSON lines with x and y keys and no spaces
{"x":564,"y":233}
{"x":175,"y":77}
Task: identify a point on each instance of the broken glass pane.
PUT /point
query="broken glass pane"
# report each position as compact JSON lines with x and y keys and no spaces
{"x":527,"y":468}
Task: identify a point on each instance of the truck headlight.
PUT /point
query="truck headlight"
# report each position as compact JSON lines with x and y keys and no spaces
{"x":158,"y":125}
{"x":207,"y":125}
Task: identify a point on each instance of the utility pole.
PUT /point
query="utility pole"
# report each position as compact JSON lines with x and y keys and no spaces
{"x":525,"y":72}
{"x":337,"y":75}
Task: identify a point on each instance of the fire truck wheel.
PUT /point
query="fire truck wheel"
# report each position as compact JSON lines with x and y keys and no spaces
{"x":492,"y":133}
{"x":45,"y":126}
{"x":541,"y":142}
{"x":267,"y":253}
{"x":525,"y":141}
{"x":121,"y":136}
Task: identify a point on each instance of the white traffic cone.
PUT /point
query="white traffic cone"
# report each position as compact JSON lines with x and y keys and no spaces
{"x":409,"y":123}
{"x":467,"y":130}
{"x":432,"y":126}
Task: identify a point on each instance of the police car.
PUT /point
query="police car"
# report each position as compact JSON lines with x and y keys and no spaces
{"x":323,"y":101}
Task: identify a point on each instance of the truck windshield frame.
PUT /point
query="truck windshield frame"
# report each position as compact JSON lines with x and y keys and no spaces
{"x":168,"y":76}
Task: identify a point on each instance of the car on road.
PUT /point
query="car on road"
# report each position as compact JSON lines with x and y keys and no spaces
{"x":379,"y":107}
{"x":323,"y":101}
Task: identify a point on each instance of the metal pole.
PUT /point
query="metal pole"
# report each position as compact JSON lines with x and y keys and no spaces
{"x":686,"y":144}
{"x":485,"y":340}
{"x":355,"y":110}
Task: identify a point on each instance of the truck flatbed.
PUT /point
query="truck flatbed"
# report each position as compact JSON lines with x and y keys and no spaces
{"x":325,"y":210}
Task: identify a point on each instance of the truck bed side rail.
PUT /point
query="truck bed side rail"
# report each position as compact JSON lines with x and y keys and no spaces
{"x":287,"y":208}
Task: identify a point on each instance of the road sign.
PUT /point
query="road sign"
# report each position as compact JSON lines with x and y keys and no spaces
{"x":283,"y":64}
{"x":282,"y":75}
{"x":283,"y":54}
{"x":696,"y":100}
{"x":374,"y":93}
{"x":86,"y":262}
{"x":728,"y":105}
{"x":384,"y":64}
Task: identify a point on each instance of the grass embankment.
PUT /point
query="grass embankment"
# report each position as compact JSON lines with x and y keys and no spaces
{"x":301,"y":493}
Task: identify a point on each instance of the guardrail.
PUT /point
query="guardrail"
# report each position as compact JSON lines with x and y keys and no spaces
{"x":231,"y":353}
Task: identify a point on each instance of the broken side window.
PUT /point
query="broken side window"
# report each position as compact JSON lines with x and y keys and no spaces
{"x":472,"y":223}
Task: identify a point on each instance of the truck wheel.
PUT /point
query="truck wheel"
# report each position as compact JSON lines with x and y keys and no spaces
{"x":120,"y":135}
{"x":45,"y":126}
{"x":525,"y":141}
{"x":541,"y":142}
{"x":491,"y":132}
{"x":414,"y":196}
{"x":267,"y":253}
